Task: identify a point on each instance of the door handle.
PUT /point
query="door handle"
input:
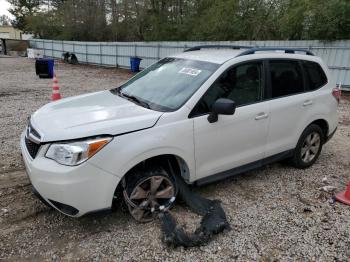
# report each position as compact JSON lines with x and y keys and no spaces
{"x":307,"y":103}
{"x":261,"y":115}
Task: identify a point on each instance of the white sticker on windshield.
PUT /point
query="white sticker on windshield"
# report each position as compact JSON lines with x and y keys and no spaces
{"x":190,"y":71}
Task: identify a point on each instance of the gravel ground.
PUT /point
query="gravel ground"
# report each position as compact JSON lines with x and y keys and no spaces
{"x":277,"y":213}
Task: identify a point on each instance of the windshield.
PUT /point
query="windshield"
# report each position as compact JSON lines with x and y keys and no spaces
{"x":168,"y":84}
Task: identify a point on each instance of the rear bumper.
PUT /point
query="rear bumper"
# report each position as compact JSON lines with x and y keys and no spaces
{"x":74,"y":191}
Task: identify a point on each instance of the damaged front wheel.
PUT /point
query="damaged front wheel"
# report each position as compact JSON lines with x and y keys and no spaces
{"x":148,"y":191}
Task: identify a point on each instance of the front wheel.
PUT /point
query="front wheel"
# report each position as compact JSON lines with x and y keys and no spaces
{"x":309,"y":147}
{"x":147,"y":191}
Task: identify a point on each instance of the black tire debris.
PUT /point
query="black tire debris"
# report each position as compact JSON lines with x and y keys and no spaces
{"x":214,"y":220}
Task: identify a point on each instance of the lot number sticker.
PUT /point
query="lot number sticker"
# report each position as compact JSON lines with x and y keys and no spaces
{"x":190,"y":71}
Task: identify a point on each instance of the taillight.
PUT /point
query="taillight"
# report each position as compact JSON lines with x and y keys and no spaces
{"x":337,"y":93}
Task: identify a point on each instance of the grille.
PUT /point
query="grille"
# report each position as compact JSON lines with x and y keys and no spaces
{"x":32,"y":147}
{"x":34,"y":132}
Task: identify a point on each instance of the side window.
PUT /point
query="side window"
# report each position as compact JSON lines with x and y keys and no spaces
{"x":315,"y":76}
{"x":286,"y":78}
{"x":242,"y":84}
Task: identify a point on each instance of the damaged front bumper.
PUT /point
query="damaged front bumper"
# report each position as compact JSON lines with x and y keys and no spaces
{"x":74,"y":191}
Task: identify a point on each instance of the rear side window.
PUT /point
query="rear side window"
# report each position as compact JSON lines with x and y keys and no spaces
{"x":286,"y":78}
{"x":315,"y":76}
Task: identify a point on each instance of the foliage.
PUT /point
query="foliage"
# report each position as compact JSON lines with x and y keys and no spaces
{"x":4,"y":20}
{"x":21,"y":9}
{"x":166,"y":20}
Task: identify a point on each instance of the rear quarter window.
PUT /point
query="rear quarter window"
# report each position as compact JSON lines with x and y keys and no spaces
{"x":315,"y":76}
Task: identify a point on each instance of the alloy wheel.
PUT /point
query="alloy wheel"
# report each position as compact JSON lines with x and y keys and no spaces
{"x":310,"y":147}
{"x":149,"y":194}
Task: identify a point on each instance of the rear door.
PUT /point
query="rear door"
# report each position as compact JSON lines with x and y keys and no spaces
{"x":289,"y":104}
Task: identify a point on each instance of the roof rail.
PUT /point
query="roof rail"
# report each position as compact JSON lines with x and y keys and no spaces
{"x":197,"y":48}
{"x":287,"y":50}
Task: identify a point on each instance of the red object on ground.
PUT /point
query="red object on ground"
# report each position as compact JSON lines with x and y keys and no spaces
{"x":344,"y":197}
{"x":55,"y":90}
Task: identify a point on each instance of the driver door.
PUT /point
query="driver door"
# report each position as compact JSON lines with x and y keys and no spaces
{"x":234,"y":140}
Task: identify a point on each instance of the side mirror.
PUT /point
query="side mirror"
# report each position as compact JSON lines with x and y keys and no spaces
{"x":222,"y":106}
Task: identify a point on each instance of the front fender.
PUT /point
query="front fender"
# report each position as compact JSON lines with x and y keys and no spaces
{"x":126,"y":151}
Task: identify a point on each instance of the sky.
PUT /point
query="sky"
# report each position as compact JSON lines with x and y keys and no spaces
{"x":4,"y":5}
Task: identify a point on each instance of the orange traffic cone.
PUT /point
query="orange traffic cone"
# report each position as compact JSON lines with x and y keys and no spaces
{"x":55,"y":90}
{"x":344,"y":197}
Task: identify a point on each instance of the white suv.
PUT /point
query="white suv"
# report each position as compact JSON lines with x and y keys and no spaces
{"x":205,"y":114}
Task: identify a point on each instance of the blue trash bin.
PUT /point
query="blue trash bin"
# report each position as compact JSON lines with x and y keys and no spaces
{"x":44,"y":67}
{"x":135,"y":64}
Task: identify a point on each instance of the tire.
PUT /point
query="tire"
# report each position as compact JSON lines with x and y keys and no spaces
{"x":147,"y":190}
{"x":309,"y":147}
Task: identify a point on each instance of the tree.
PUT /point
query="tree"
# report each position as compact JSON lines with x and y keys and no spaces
{"x":167,"y":20}
{"x":4,"y":20}
{"x":329,"y":20}
{"x":21,"y":9}
{"x":293,"y":19}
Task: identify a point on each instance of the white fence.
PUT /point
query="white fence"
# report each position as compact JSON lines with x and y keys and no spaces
{"x":336,"y":54}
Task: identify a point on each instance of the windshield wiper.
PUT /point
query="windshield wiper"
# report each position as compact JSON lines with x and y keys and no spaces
{"x":134,"y":99}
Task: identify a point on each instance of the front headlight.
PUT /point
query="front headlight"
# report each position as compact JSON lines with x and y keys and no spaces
{"x":75,"y":153}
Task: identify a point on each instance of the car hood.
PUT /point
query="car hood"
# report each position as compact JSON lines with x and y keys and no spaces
{"x":101,"y":113}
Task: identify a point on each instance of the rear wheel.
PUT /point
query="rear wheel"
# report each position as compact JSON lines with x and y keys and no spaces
{"x":309,"y":147}
{"x":147,"y":191}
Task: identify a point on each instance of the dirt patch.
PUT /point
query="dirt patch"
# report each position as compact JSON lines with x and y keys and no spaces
{"x":276,"y":212}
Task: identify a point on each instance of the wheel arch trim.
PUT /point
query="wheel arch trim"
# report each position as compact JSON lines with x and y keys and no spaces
{"x":320,"y":121}
{"x":183,"y":161}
